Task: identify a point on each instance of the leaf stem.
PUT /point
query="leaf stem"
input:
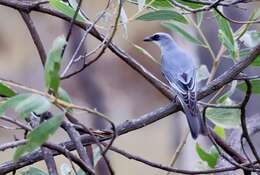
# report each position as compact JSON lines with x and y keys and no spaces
{"x":207,"y":45}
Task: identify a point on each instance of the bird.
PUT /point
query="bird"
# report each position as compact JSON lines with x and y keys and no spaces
{"x":178,"y":68}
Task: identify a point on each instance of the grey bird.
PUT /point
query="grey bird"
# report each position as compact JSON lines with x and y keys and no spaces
{"x":178,"y":68}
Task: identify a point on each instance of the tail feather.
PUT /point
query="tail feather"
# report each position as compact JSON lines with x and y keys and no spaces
{"x":195,"y":122}
{"x":194,"y":118}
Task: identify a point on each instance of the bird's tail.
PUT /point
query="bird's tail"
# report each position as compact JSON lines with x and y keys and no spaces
{"x":194,"y":119}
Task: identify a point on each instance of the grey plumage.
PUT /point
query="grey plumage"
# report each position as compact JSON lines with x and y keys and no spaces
{"x":178,"y":68}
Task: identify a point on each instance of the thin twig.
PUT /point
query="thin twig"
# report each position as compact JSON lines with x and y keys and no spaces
{"x":235,"y":21}
{"x":243,"y":120}
{"x":35,"y":36}
{"x":178,"y":150}
{"x":71,"y":27}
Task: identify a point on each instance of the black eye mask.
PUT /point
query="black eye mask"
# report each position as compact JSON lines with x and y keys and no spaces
{"x":156,"y":37}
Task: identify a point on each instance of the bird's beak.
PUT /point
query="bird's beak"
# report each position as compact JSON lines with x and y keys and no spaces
{"x":148,"y":38}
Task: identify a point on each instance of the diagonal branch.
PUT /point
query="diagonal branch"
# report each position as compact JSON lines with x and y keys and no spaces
{"x":35,"y":36}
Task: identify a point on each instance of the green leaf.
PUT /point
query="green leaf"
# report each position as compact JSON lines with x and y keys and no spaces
{"x":81,"y":172}
{"x":66,"y":9}
{"x":245,"y":52}
{"x":6,"y":91}
{"x":33,"y":103}
{"x":39,"y":135}
{"x":145,"y":52}
{"x":96,"y":156}
{"x":124,"y":20}
{"x":225,"y":118}
{"x":12,"y":102}
{"x":251,"y":38}
{"x":228,"y":44}
{"x":202,"y":73}
{"x":63,"y":95}
{"x":159,"y":4}
{"x":256,"y":62}
{"x":163,"y":15}
{"x":141,"y":4}
{"x":192,"y":5}
{"x":34,"y":171}
{"x":222,"y":99}
{"x":52,"y":67}
{"x":199,"y":16}
{"x":220,"y":132}
{"x":255,"y":86}
{"x":210,"y":157}
{"x":24,"y":104}
{"x":226,"y":35}
{"x":173,"y":27}
{"x":65,"y":169}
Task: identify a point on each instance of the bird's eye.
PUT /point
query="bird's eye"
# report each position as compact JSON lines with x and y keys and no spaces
{"x":156,"y":37}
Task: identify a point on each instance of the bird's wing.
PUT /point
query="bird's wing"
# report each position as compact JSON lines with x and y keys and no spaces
{"x":179,"y":70}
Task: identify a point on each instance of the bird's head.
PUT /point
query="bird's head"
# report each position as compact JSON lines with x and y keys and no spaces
{"x":161,"y":39}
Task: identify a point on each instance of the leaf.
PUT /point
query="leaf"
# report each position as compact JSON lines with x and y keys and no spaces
{"x":52,"y":67}
{"x":256,"y":62}
{"x":226,"y":35}
{"x":145,"y":52}
{"x":65,"y":169}
{"x":34,"y":171}
{"x":199,"y":16}
{"x":230,"y":46}
{"x":192,"y":5}
{"x":39,"y":135}
{"x":96,"y":156}
{"x":210,"y":157}
{"x":73,"y":3}
{"x":63,"y":95}
{"x":12,"y":102}
{"x":202,"y":73}
{"x":81,"y":172}
{"x":6,"y":91}
{"x":223,"y":117}
{"x":226,"y":95}
{"x":251,"y":38}
{"x":245,"y":52}
{"x":159,"y":4}
{"x":33,"y":103}
{"x":66,"y":9}
{"x":255,"y":86}
{"x":220,"y":132}
{"x":24,"y":104}
{"x":124,"y":20}
{"x":163,"y":15}
{"x":182,"y":33}
{"x":141,"y":4}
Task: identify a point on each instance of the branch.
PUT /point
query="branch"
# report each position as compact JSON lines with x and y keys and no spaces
{"x":245,"y":133}
{"x":35,"y":36}
{"x":87,"y":140}
{"x":75,"y":138}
